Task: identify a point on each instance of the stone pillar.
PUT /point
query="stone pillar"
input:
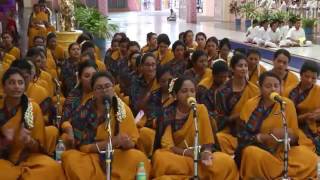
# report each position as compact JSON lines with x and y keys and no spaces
{"x":157,"y":5}
{"x":103,"y":6}
{"x":191,"y":11}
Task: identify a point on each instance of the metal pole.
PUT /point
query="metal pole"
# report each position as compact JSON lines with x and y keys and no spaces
{"x":286,"y":144}
{"x":196,"y":149}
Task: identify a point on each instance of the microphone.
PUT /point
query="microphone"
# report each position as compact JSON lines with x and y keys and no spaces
{"x":192,"y":102}
{"x":275,"y":97}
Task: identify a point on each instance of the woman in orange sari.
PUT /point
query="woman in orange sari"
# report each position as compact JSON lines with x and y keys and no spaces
{"x":230,"y":99}
{"x":281,"y":60}
{"x":211,"y":48}
{"x":8,"y":44}
{"x":305,"y":97}
{"x":158,"y":99}
{"x":39,"y":95}
{"x":164,"y":53}
{"x":261,"y":155}
{"x":180,"y":61}
{"x":188,"y":40}
{"x":77,"y":96}
{"x":91,"y":134}
{"x":175,"y":137}
{"x":23,"y":134}
{"x":201,"y":39}
{"x":255,"y":69}
{"x":69,"y":69}
{"x":56,"y":50}
{"x":199,"y":70}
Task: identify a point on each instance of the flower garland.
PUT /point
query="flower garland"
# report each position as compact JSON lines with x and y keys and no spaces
{"x":28,"y":116}
{"x":121,"y":113}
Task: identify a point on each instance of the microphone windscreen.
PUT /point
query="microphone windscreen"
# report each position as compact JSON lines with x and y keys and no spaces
{"x":191,"y":101}
{"x":273,"y":95}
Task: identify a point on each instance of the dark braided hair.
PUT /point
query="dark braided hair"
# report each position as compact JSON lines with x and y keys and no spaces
{"x":24,"y":99}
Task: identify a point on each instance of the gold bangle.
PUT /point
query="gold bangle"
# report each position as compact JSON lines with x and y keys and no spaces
{"x":184,"y":151}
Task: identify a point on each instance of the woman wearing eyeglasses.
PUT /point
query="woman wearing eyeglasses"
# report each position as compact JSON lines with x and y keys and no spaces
{"x":91,"y":135}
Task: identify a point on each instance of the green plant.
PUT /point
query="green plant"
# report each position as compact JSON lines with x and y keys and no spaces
{"x":309,"y":22}
{"x":91,"y":20}
{"x":248,"y":10}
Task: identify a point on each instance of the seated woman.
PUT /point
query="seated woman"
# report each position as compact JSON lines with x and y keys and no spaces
{"x":69,"y":69}
{"x":254,"y":66}
{"x":164,"y":53}
{"x":225,"y":50}
{"x":189,"y":41}
{"x":201,"y":39}
{"x":158,"y":99}
{"x":304,"y":96}
{"x":39,"y":24}
{"x":175,"y":137}
{"x":180,"y":61}
{"x":230,"y":99}
{"x":211,"y":48}
{"x":23,"y":134}
{"x":56,"y":50}
{"x":261,"y":156}
{"x":199,"y":69}
{"x":207,"y":88}
{"x":281,"y":60}
{"x":9,"y":45}
{"x":91,"y":136}
{"x":77,"y":96}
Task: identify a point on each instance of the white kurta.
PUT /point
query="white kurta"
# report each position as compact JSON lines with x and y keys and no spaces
{"x":273,"y":38}
{"x":262,"y":36}
{"x":296,"y":34}
{"x":252,"y":32}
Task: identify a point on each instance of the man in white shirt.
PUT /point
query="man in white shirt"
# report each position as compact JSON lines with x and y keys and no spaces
{"x":252,"y":31}
{"x":274,"y":35}
{"x":262,"y":35}
{"x":296,"y":36}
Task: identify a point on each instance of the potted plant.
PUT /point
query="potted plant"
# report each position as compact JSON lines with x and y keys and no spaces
{"x":308,"y":24}
{"x":248,"y":10}
{"x":91,"y":20}
{"x":235,"y":9}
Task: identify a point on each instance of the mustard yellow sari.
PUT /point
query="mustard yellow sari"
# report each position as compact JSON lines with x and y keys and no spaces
{"x":124,"y":163}
{"x":259,"y":163}
{"x":228,"y":143}
{"x":166,"y":58}
{"x":36,"y":165}
{"x":168,"y":165}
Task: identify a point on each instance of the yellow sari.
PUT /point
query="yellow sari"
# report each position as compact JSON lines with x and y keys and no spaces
{"x":166,"y":58}
{"x":309,"y":104}
{"x":229,"y":143}
{"x":168,"y":165}
{"x":254,"y":76}
{"x":124,"y":164}
{"x":14,"y":51}
{"x":259,"y":163}
{"x":290,"y":81}
{"x":36,"y":165}
{"x":3,"y":68}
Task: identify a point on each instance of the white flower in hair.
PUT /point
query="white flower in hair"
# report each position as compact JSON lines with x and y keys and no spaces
{"x":121,"y":113}
{"x":28,"y":116}
{"x":171,"y":84}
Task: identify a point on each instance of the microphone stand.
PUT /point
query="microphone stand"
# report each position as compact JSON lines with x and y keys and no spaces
{"x":109,"y":148}
{"x":196,"y":148}
{"x":285,"y":141}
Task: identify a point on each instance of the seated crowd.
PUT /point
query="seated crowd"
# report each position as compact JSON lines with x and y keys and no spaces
{"x":277,"y":33}
{"x":52,"y":94}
